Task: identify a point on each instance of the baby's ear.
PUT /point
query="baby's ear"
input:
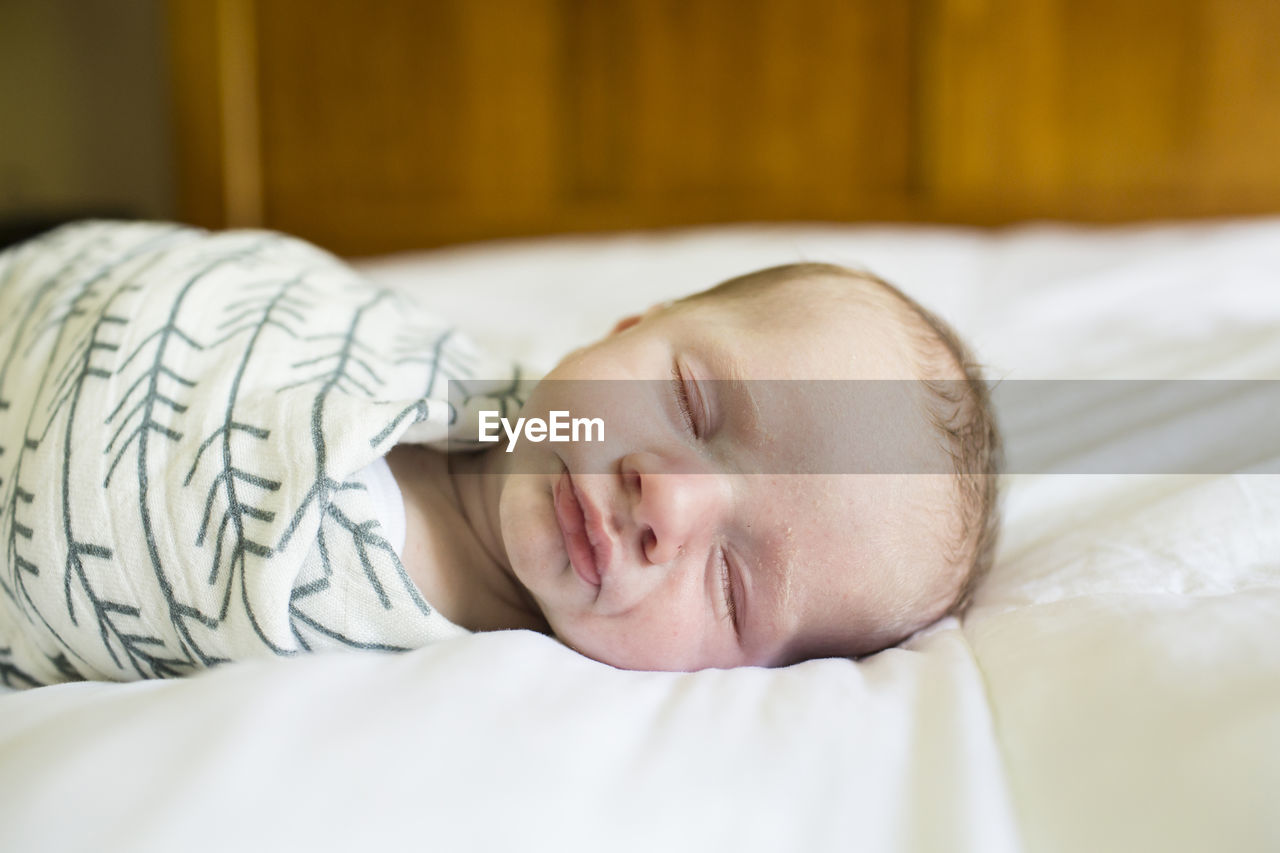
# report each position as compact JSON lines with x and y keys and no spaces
{"x":627,"y":322}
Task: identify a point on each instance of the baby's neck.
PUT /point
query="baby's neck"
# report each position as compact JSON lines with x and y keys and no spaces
{"x":453,"y":547}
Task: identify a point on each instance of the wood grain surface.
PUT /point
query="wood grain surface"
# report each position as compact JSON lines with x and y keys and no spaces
{"x":372,"y":127}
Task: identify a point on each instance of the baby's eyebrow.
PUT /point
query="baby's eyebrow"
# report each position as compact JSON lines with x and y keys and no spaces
{"x":727,"y":378}
{"x":784,"y":583}
{"x":750,"y":411}
{"x":770,"y":598}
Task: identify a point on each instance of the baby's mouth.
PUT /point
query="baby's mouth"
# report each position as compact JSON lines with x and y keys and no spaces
{"x":573,"y":528}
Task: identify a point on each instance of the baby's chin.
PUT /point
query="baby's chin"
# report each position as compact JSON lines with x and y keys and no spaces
{"x":590,"y":650}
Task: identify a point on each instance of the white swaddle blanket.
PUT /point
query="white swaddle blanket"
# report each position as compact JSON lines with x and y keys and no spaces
{"x":180,"y":417}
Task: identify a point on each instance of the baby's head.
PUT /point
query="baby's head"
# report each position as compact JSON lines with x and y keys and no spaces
{"x":721,"y":522}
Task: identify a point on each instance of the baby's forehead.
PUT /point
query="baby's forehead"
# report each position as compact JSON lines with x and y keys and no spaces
{"x":867,"y":564}
{"x":820,"y":328}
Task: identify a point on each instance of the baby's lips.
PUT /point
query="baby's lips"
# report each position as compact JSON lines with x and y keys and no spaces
{"x":573,"y":528}
{"x":597,"y":536}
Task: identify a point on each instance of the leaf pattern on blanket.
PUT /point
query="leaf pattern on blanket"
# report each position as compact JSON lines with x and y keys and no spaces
{"x":179,"y":414}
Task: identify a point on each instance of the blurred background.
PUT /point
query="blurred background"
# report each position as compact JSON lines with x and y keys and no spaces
{"x":383,"y":125}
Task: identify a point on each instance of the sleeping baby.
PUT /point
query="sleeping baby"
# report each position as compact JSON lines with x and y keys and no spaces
{"x":223,"y":446}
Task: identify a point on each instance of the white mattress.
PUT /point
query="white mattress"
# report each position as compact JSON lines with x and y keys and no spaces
{"x":1115,"y":687}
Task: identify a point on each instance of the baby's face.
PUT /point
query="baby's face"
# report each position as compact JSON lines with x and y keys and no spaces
{"x":654,"y":550}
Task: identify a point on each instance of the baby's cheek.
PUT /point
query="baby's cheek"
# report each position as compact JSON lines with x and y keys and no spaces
{"x":625,"y":644}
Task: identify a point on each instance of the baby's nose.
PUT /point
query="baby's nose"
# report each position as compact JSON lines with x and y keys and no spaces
{"x":676,"y":508}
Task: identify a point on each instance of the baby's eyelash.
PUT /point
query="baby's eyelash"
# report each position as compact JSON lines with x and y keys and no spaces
{"x":726,"y":585}
{"x":682,"y":399}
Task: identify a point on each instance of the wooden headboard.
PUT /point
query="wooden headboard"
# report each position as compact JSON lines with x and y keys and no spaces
{"x":392,"y":124}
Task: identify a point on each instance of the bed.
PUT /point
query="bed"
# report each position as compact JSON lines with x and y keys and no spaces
{"x":1116,"y":685}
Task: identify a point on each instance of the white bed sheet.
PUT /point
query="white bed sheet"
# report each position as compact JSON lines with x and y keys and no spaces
{"x":1116,"y":686}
